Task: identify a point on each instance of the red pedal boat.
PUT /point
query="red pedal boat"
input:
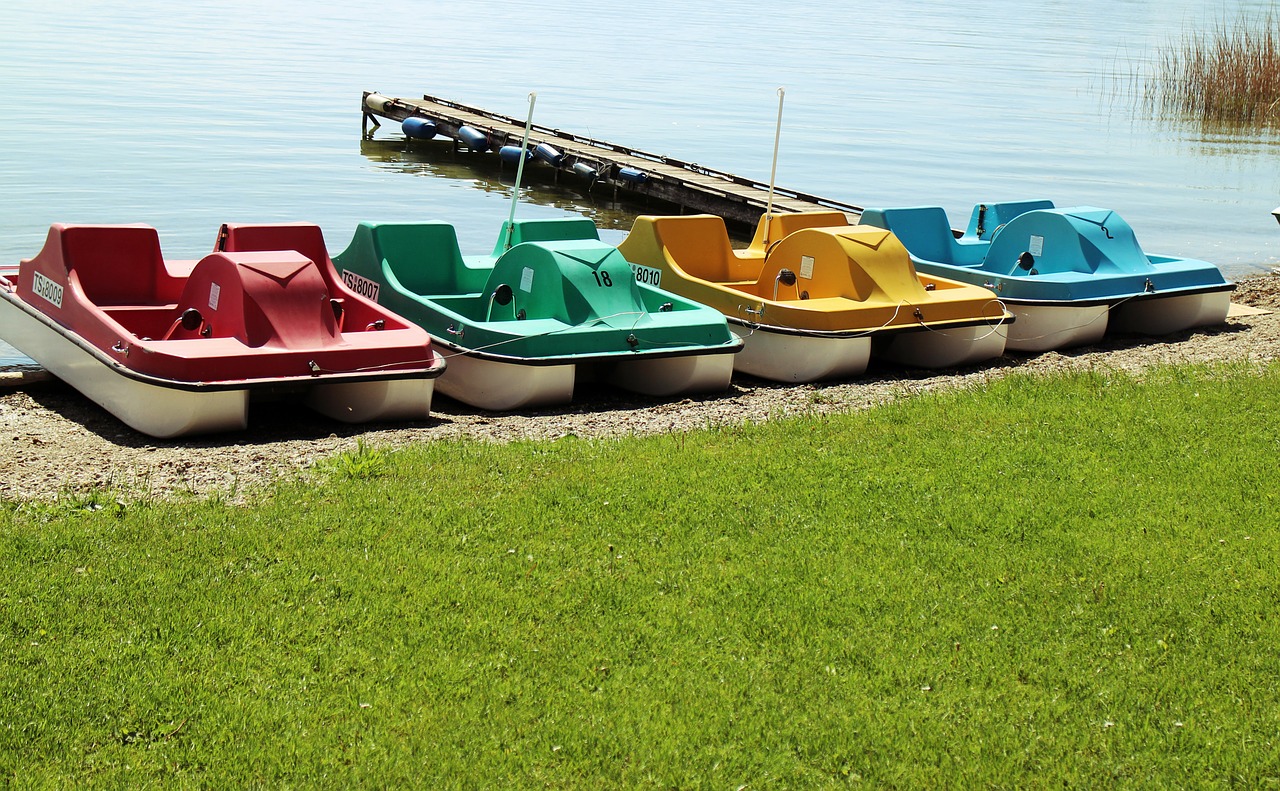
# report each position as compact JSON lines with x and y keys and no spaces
{"x":181,"y":347}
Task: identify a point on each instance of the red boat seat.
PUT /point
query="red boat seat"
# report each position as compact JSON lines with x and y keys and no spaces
{"x":116,"y":264}
{"x":304,"y":237}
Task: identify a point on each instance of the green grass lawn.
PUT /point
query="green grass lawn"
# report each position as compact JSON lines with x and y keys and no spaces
{"x":1069,"y":581}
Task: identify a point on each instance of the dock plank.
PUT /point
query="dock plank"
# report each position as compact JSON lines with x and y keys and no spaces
{"x":689,"y":186}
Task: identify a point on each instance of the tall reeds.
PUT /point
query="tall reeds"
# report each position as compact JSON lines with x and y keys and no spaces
{"x":1226,"y":76}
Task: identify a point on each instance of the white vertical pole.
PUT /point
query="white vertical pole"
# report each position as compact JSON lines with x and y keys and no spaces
{"x":515,"y":193}
{"x":773,"y":174}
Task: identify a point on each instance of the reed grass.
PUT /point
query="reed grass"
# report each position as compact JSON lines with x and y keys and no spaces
{"x":1227,"y":76}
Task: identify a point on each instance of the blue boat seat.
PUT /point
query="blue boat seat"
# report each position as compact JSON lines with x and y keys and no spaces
{"x":986,"y":218}
{"x":926,"y":233}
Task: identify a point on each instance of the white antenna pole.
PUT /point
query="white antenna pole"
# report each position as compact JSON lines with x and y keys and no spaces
{"x":773,"y":174}
{"x":515,"y":193}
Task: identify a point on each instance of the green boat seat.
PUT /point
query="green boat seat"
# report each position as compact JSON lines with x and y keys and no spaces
{"x":559,"y":229}
{"x":425,"y":258}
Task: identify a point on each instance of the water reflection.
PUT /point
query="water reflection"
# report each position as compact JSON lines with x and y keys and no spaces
{"x":542,"y":185}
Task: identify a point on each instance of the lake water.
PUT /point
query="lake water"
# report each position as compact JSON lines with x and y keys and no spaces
{"x":184,"y":116}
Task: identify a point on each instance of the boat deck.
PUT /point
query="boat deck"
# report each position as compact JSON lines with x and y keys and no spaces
{"x":690,"y":186}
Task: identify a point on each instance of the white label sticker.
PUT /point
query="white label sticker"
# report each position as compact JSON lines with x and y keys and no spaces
{"x":360,"y":284}
{"x":526,"y":280}
{"x":46,"y":288}
{"x":215,"y":291}
{"x":806,"y":267}
{"x":1037,"y":246}
{"x":647,"y":276}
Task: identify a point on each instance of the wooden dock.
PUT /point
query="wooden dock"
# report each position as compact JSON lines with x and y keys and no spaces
{"x":691,"y":187}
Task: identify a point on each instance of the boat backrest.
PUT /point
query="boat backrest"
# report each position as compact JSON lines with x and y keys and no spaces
{"x":779,"y":226}
{"x":987,"y":217}
{"x":115,"y":264}
{"x":302,"y":237}
{"x":557,"y":229}
{"x":923,"y":230}
{"x":425,"y":258}
{"x":699,"y":245}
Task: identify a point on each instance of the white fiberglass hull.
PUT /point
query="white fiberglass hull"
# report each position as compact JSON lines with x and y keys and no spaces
{"x":382,"y":399}
{"x":944,"y":347}
{"x":1166,"y":315}
{"x":499,"y":386}
{"x":790,"y":357}
{"x":149,"y":408}
{"x":1041,"y":328}
{"x":665,"y":376}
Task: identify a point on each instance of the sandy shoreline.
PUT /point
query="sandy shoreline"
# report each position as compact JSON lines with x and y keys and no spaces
{"x":58,"y":441}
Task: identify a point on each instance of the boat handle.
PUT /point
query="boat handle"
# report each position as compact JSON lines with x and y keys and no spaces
{"x":785,"y":278}
{"x":121,"y":347}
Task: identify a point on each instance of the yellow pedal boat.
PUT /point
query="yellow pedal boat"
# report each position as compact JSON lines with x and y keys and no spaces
{"x":815,"y":297}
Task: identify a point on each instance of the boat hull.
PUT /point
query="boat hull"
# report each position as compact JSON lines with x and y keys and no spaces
{"x":380,"y":400}
{"x":665,"y":376}
{"x":792,"y":357}
{"x":152,"y":409}
{"x":1167,"y":315}
{"x":500,"y":386}
{"x":944,"y":347}
{"x":1041,"y":328}
{"x":174,"y":409}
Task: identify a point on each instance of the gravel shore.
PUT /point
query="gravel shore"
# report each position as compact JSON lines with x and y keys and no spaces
{"x":60,"y":442}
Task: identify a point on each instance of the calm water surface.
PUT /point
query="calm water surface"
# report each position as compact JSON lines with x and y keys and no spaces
{"x":187,"y":116}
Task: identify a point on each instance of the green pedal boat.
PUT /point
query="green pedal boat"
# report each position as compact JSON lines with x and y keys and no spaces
{"x":551,"y":306}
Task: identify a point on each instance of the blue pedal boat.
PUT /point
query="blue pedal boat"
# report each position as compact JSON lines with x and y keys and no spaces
{"x":1068,"y":274}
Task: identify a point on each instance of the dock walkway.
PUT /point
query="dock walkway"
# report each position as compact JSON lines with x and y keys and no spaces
{"x":690,"y":186}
